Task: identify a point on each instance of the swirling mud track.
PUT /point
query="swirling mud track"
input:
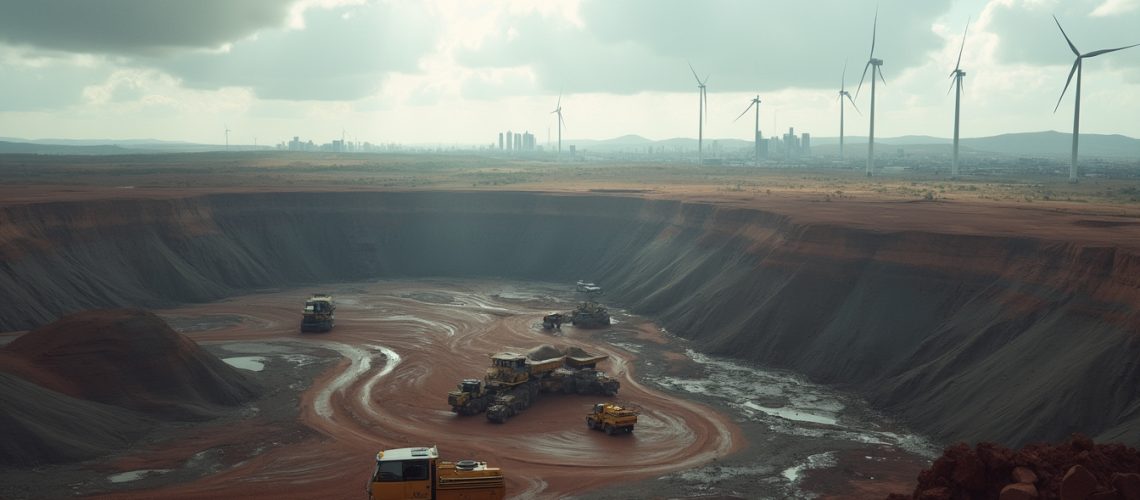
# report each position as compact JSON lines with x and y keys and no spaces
{"x":403,"y":345}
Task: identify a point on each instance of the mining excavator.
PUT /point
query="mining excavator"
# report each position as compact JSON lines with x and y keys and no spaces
{"x":318,"y":313}
{"x":419,"y":473}
{"x":514,"y":381}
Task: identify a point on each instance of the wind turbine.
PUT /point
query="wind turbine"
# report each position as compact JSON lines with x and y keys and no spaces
{"x":756,"y":134}
{"x":702,"y":116}
{"x":874,"y":65}
{"x":844,"y":93}
{"x":956,"y":86}
{"x":1077,"y":64}
{"x":558,"y":111}
{"x":227,"y":137}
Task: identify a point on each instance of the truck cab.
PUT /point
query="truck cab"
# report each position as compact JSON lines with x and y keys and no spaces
{"x":418,"y":473}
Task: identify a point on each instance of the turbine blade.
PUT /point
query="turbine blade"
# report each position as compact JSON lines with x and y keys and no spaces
{"x":853,"y":105}
{"x":959,"y":63}
{"x":559,"y":105}
{"x":864,"y":77}
{"x":706,"y":79}
{"x":1105,"y":51}
{"x":561,"y":120}
{"x":694,"y":73}
{"x":874,"y":31}
{"x":951,"y":89}
{"x":843,"y":79}
{"x":1070,"y":42}
{"x":753,"y":103}
{"x":1071,"y":71}
{"x":880,"y":71}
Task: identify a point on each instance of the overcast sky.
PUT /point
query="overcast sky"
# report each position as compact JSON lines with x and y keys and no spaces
{"x":458,"y":71}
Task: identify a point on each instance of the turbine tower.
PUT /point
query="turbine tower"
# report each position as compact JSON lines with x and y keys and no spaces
{"x":756,"y":133}
{"x":227,"y":137}
{"x":1077,"y":65}
{"x":844,"y":93}
{"x":956,"y":86}
{"x":874,"y":65}
{"x":558,"y":111}
{"x":702,"y":116}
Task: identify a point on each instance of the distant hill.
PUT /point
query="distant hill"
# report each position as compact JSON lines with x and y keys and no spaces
{"x":1033,"y":144}
{"x":1052,"y":143}
{"x":55,"y":149}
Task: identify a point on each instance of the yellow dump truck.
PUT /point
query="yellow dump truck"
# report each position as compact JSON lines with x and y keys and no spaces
{"x":318,"y":313}
{"x":419,"y":473}
{"x":612,"y":418}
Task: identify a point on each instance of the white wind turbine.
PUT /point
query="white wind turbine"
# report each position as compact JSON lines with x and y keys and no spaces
{"x":875,"y":66}
{"x":558,"y":111}
{"x":1077,"y":65}
{"x":702,"y":116}
{"x":755,"y":133}
{"x":844,"y":93}
{"x":956,"y":86}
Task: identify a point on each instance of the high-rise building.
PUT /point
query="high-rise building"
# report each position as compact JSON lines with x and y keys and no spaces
{"x":510,"y":141}
{"x":518,"y":141}
{"x":500,"y":140}
{"x":805,"y":144}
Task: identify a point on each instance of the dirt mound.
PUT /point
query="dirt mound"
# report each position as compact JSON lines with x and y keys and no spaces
{"x":39,"y":426}
{"x":130,"y":359}
{"x":545,"y":351}
{"x":986,"y":470}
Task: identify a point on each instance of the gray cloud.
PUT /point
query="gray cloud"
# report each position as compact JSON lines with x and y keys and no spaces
{"x":1029,"y":35}
{"x":639,"y":45}
{"x":37,"y":89}
{"x":342,"y":54}
{"x":128,"y":27}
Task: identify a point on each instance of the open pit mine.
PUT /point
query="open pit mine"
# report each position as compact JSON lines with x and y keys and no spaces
{"x":773,"y":349}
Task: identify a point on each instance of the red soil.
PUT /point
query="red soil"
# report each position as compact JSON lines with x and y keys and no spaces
{"x":130,"y":359}
{"x":982,"y":472}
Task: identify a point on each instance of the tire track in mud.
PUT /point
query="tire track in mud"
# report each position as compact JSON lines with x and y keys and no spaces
{"x":399,"y":356}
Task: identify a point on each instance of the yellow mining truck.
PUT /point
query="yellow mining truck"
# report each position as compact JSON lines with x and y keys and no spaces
{"x":318,"y":313}
{"x":419,"y":473}
{"x":612,"y":418}
{"x":514,"y":381}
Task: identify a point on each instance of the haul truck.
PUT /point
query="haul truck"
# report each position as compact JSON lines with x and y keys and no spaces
{"x":514,"y":382}
{"x":318,"y":313}
{"x":419,"y":473}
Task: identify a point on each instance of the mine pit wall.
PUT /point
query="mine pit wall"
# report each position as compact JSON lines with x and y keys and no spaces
{"x":962,"y":337}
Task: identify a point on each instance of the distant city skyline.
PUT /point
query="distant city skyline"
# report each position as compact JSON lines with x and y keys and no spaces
{"x":450,"y":72}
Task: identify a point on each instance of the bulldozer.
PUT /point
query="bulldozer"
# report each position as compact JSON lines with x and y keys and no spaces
{"x":612,"y":419}
{"x":590,"y":315}
{"x":553,"y":321}
{"x":318,"y":313}
{"x":419,"y":473}
{"x":515,"y":381}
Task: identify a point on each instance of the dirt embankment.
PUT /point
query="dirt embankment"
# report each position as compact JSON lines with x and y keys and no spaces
{"x":94,"y":381}
{"x":966,"y":335}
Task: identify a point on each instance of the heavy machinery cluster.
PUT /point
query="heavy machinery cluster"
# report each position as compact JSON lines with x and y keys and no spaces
{"x":514,"y":381}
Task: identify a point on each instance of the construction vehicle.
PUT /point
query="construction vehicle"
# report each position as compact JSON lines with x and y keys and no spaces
{"x":590,"y":315}
{"x":419,"y":473}
{"x":515,"y":381}
{"x":553,"y":321}
{"x":588,"y":288}
{"x":612,"y":418}
{"x":318,"y":313}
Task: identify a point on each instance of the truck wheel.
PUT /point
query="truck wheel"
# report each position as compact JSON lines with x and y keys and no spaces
{"x":609,"y":430}
{"x":590,"y":423}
